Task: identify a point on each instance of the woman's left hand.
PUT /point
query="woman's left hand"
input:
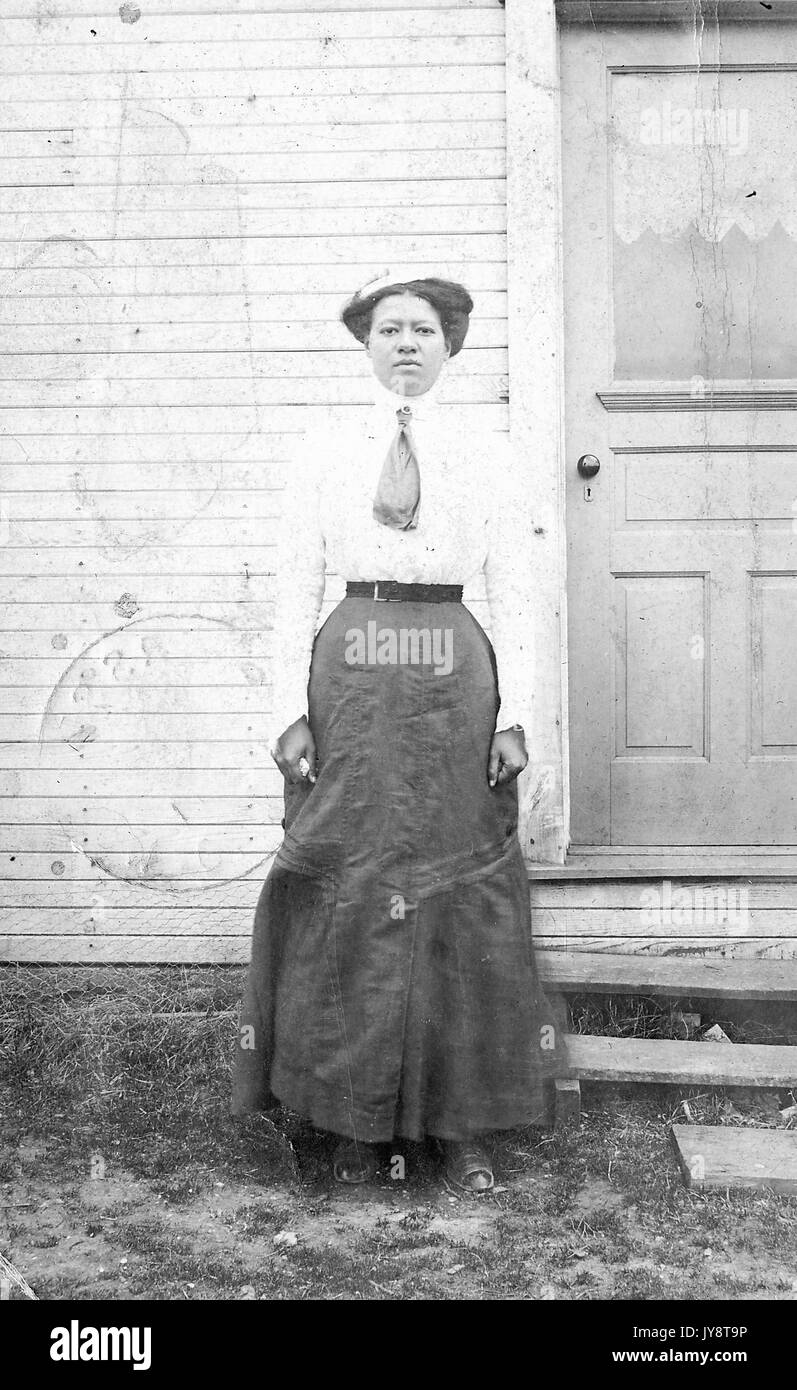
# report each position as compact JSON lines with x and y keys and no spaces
{"x":508,"y":756}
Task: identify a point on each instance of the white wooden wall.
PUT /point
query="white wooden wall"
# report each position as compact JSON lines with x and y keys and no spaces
{"x":185,"y":202}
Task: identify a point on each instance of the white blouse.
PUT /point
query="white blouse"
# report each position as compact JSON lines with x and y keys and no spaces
{"x":474,"y":515}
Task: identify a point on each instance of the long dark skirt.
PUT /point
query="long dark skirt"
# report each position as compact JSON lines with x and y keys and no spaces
{"x":392,"y":988}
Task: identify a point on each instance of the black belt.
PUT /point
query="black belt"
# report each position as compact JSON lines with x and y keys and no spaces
{"x":389,"y":590}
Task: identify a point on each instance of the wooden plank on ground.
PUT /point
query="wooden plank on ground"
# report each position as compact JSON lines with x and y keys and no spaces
{"x":727,"y":1156}
{"x":663,"y":1062}
{"x":593,"y":972}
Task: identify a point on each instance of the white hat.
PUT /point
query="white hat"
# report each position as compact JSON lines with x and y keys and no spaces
{"x":400,"y":276}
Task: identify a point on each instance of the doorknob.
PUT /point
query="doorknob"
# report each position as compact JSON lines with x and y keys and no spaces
{"x":588,"y":465}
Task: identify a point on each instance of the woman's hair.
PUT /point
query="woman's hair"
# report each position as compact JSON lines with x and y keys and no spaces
{"x":452,"y":302}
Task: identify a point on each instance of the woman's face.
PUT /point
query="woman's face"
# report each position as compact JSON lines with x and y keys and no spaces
{"x":406,"y":344}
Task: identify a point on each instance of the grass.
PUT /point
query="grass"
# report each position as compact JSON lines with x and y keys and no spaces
{"x":623,"y":1016}
{"x":122,"y":1174}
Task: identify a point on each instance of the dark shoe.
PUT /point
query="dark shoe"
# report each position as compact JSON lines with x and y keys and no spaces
{"x":468,"y":1167}
{"x":353,"y":1162}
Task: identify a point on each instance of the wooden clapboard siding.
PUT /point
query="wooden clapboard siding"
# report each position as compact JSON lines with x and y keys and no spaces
{"x":186,"y":199}
{"x":46,"y":16}
{"x":95,"y":948}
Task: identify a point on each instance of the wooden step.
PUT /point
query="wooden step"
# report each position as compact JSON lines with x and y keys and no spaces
{"x":593,"y":972}
{"x":680,"y":1063}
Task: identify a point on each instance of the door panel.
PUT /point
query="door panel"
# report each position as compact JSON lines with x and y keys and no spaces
{"x":680,"y":270}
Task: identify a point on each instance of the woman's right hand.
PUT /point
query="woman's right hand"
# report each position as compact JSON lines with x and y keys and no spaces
{"x":294,"y":744}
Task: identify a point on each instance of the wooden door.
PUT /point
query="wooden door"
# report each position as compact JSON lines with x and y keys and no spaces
{"x":680,"y":269}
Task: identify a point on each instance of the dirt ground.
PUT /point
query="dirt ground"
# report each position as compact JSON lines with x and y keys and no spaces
{"x":123,"y":1176}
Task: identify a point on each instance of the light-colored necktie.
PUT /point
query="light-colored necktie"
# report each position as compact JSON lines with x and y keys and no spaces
{"x":397,"y":501}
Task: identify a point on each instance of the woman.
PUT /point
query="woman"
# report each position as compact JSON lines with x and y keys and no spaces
{"x":392,"y":989}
